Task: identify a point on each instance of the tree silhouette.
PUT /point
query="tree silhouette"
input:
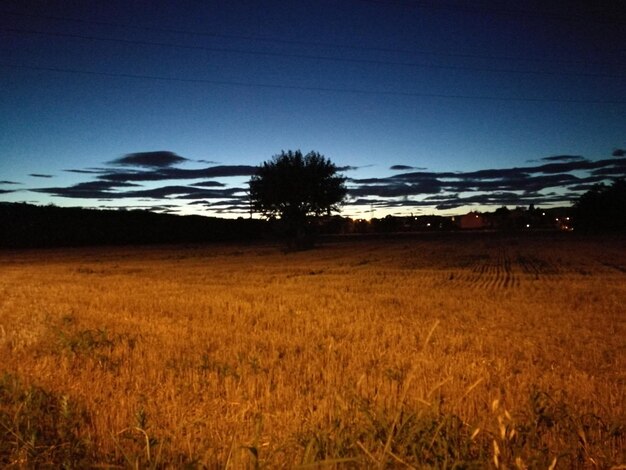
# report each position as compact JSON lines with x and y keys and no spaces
{"x":602,"y":208}
{"x":294,"y":187}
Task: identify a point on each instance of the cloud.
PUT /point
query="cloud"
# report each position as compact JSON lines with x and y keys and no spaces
{"x":619,"y":153}
{"x":87,"y":190}
{"x":158,"y":159}
{"x":563,"y":158}
{"x":369,"y":180}
{"x":231,"y":209}
{"x":503,"y":199}
{"x":149,"y":208}
{"x":405,"y":167}
{"x":104,"y":190}
{"x":513,"y":184}
{"x":449,"y":205}
{"x":388,"y":203}
{"x":39,"y":175}
{"x":238,"y":201}
{"x":615,"y":171}
{"x":89,"y":171}
{"x":209,"y":184}
{"x":239,"y":205}
{"x":6,"y":191}
{"x":581,"y":187}
{"x":194,"y":193}
{"x":115,"y":184}
{"x":497,"y":186}
{"x":397,"y":189}
{"x":102,"y":185}
{"x":8,"y":182}
{"x":220,"y":171}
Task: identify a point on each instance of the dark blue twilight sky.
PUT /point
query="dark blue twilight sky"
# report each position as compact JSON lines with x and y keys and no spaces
{"x":428,"y":106}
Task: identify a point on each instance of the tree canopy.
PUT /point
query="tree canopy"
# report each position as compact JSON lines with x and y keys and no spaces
{"x":602,"y":208}
{"x":294,"y":186}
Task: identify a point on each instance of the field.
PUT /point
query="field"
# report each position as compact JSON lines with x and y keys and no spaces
{"x":466,"y":350}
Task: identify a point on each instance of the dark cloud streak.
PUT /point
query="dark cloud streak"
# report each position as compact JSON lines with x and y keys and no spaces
{"x":210,"y":184}
{"x":405,"y":167}
{"x":103,"y":190}
{"x":157,"y":159}
{"x":221,"y":171}
{"x":90,"y":171}
{"x":563,"y":158}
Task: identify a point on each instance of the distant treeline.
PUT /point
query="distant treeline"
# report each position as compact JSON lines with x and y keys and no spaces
{"x":29,"y":226}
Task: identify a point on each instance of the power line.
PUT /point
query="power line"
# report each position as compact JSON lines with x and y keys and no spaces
{"x":311,"y":57}
{"x":309,"y":88}
{"x":304,"y":43}
{"x":477,"y":8}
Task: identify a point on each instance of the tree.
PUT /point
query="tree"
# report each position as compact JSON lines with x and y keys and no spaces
{"x":294,"y":187}
{"x":602,"y":208}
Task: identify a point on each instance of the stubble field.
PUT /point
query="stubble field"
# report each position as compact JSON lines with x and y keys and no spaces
{"x":472,"y":350}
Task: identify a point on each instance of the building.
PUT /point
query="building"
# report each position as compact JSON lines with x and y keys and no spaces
{"x":472,"y":220}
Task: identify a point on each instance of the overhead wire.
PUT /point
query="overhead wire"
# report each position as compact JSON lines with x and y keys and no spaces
{"x":299,"y":56}
{"x":478,"y":8}
{"x":311,"y":88}
{"x":302,"y":43}
{"x":309,"y":56}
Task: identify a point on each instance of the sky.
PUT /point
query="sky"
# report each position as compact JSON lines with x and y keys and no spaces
{"x":426,"y":107}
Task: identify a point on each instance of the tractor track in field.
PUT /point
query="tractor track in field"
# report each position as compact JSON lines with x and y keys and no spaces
{"x":503,"y":269}
{"x":536,"y":268}
{"x":492,"y":273}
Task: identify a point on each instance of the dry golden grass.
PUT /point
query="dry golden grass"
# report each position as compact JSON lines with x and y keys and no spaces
{"x":468,"y":350}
